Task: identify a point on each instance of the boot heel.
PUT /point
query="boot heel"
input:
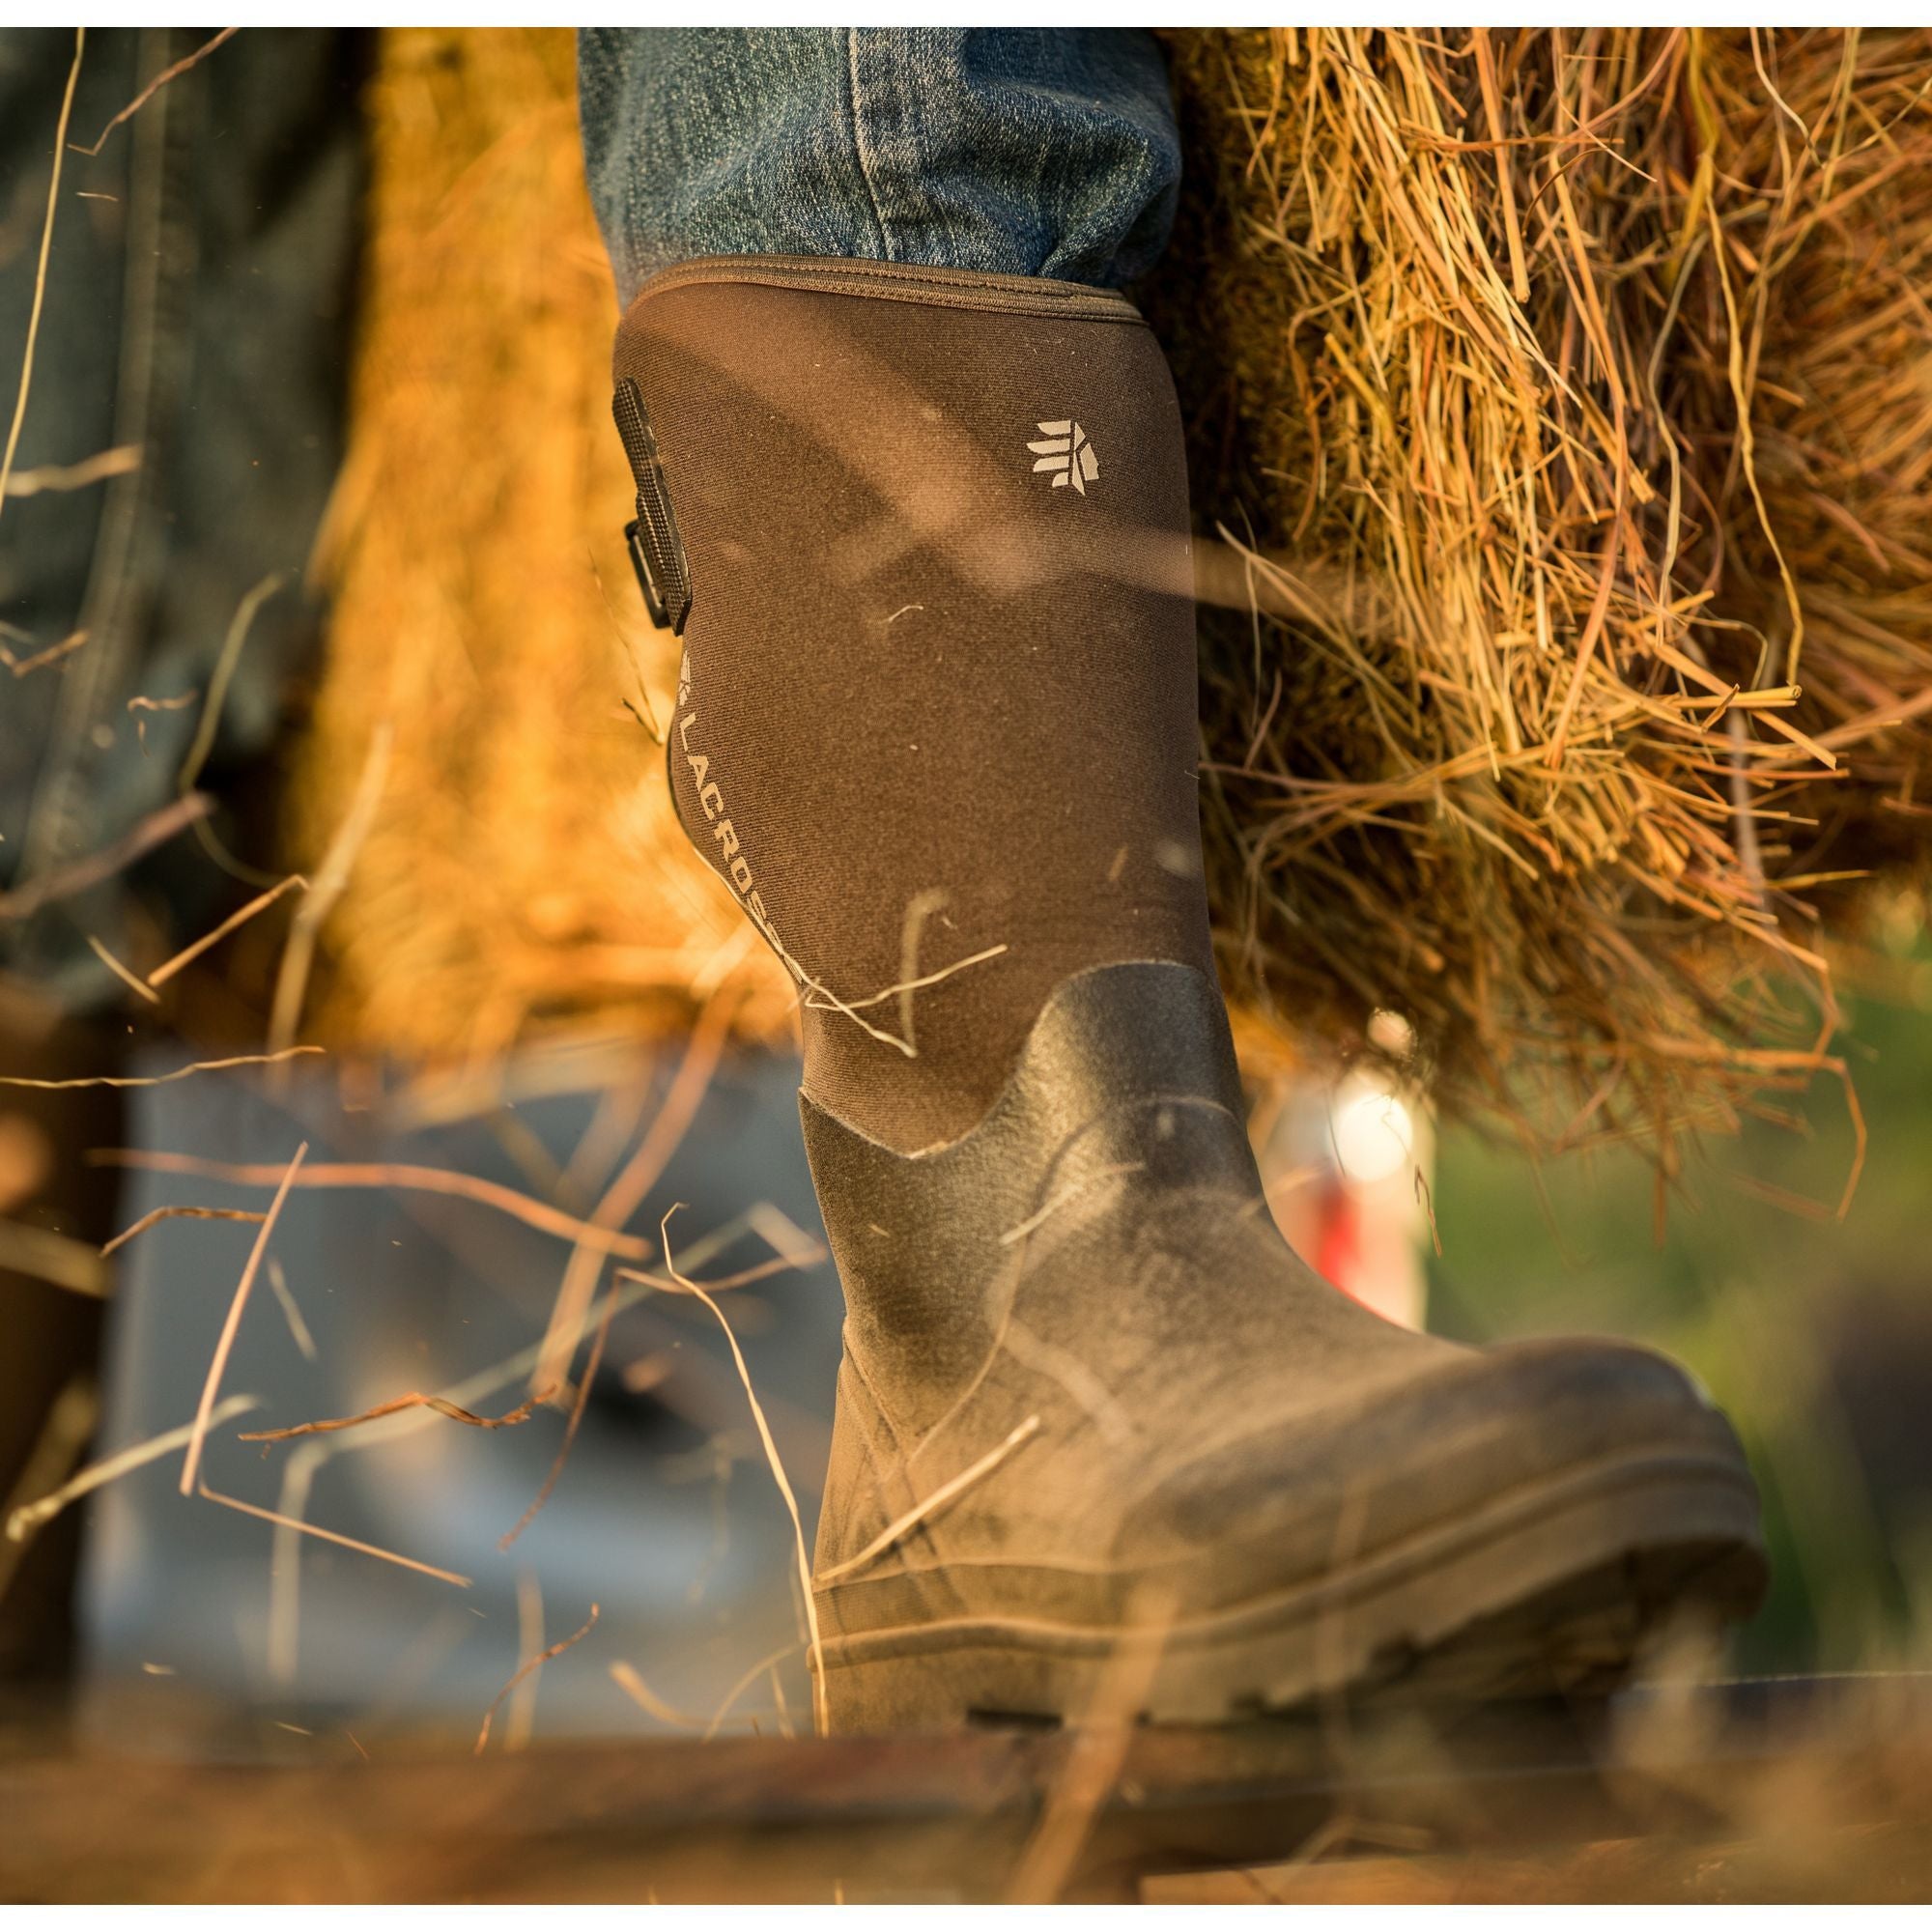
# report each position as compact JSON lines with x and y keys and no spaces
{"x":944,"y":1690}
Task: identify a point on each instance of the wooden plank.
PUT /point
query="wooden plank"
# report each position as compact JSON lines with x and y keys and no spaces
{"x":1657,"y":1797}
{"x":1867,"y":1864}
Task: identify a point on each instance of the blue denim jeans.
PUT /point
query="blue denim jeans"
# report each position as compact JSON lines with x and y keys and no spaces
{"x":1019,"y":152}
{"x":196,"y":316}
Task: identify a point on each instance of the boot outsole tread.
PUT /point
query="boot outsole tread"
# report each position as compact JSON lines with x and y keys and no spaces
{"x":1559,"y":1604}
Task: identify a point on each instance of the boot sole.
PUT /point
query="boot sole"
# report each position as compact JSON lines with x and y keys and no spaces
{"x":1552,"y":1587}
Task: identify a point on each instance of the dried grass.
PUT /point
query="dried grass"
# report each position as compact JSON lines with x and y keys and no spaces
{"x":298,"y":1527}
{"x":922,"y":1511}
{"x":1590,"y":393}
{"x":585,"y":1383}
{"x":158,"y":1079}
{"x":415,"y":1399}
{"x":56,"y":478}
{"x":299,"y":1329}
{"x":46,"y":1255}
{"x":155,"y":86}
{"x":535,"y":1662}
{"x":520,"y":1721}
{"x":529,"y":864}
{"x":61,"y":1443}
{"x":240,"y":917}
{"x":1104,"y":1735}
{"x":41,"y":273}
{"x":232,"y":1322}
{"x":398,"y":1176}
{"x":154,"y":1216}
{"x":24,"y":901}
{"x":128,"y":977}
{"x":44,"y":1508}
{"x":815,"y":1649}
{"x":626,"y":1678}
{"x":626,"y":1194}
{"x":53,"y":653}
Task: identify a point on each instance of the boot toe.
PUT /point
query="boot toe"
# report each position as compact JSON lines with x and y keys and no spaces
{"x":1486,"y":1440}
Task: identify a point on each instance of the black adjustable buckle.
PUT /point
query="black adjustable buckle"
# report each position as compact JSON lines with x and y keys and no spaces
{"x":657,"y":550}
{"x":655,"y":603}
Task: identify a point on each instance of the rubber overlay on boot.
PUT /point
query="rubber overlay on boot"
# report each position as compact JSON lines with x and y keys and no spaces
{"x":1079,"y":1328}
{"x":1130,"y":1068}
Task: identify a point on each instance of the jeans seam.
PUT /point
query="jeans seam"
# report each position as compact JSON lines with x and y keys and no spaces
{"x":859,"y":152}
{"x":634,"y":226}
{"x":897,"y":281}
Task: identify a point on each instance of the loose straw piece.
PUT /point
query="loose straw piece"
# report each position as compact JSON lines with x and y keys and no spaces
{"x":570,"y":1428}
{"x":903,"y":989}
{"x":157,"y":829}
{"x":471,"y":1389}
{"x":331,"y":879}
{"x":738,"y":1690}
{"x":744,"y":1278}
{"x":626,"y":1194}
{"x":53,"y":653}
{"x":178,"y":703}
{"x":521,"y":1719}
{"x":285,"y":1563}
{"x":356,"y":1544}
{"x":1071,"y":1192}
{"x":156,"y":1215}
{"x":153,"y":87}
{"x":41,"y":273}
{"x":209,"y":720}
{"x":778,"y":1469}
{"x":163,"y":974}
{"x":947,"y":1493}
{"x":97,"y":1474}
{"x":399,"y":1176}
{"x":921,"y":908}
{"x":542,"y":1658}
{"x":63,"y":1437}
{"x":640,"y":1693}
{"x":52,"y":1257}
{"x":298,"y":1333}
{"x":130,"y":979}
{"x":415,"y":1399}
{"x":1101,"y":1740}
{"x":81,"y":475}
{"x":160,"y":1079}
{"x":191,"y":1464}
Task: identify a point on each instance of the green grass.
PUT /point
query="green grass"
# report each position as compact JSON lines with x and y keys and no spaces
{"x":1813,"y":1334}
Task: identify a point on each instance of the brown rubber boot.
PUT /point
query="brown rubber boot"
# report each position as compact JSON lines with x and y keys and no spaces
{"x":925,"y":536}
{"x":1086,"y":1380}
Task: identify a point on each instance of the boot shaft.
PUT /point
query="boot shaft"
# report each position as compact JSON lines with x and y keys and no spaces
{"x":928,"y":535}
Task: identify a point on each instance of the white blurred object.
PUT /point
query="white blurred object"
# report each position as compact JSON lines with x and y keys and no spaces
{"x":663,"y":1514}
{"x":1373,"y":1133}
{"x":1347,"y":1168}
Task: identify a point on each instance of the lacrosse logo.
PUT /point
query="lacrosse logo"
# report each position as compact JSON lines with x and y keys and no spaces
{"x":1067,"y":454}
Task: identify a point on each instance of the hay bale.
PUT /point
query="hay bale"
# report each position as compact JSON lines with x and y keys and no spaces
{"x":1563,"y":395}
{"x":1539,"y":364}
{"x":524,"y":868}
